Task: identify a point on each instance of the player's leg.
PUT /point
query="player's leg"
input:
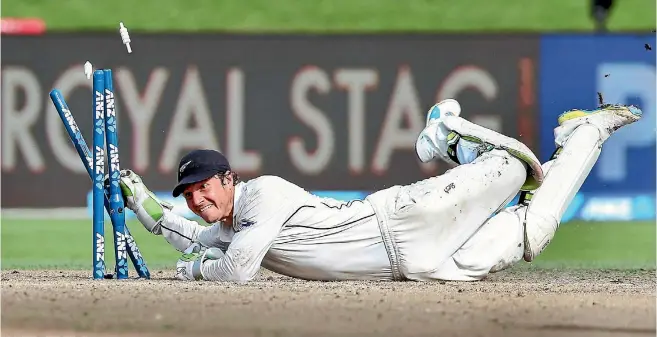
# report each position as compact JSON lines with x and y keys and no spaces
{"x":430,"y":220}
{"x":579,"y":139}
{"x":457,"y":141}
{"x":495,"y":246}
{"x":525,"y":230}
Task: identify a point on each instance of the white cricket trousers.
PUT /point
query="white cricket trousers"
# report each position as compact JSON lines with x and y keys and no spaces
{"x":443,"y":227}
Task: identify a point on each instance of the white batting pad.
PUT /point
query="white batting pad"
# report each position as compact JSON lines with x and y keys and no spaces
{"x":564,"y":178}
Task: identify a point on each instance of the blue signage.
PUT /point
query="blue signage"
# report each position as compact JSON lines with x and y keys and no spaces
{"x":574,"y":69}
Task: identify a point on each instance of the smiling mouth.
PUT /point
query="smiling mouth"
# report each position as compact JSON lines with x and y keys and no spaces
{"x":204,"y":208}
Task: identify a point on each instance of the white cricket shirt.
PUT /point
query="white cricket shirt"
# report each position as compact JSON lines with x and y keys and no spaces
{"x":292,"y":232}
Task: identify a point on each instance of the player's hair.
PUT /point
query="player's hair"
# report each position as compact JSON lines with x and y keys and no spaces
{"x":223,"y":175}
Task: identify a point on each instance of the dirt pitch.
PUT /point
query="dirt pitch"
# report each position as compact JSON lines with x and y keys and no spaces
{"x":513,"y":303}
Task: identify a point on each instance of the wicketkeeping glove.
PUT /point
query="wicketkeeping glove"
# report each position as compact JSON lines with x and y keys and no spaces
{"x":138,"y":198}
{"x":189,"y":265}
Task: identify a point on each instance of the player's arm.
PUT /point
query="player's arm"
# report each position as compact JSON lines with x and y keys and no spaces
{"x":181,"y":232}
{"x":157,"y":216}
{"x":260,"y":219}
{"x":245,"y":254}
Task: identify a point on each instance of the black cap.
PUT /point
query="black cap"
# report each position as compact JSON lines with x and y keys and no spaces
{"x":199,"y":165}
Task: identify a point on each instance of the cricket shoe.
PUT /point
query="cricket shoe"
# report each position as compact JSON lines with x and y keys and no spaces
{"x":432,"y":141}
{"x":443,"y":108}
{"x":608,"y":118}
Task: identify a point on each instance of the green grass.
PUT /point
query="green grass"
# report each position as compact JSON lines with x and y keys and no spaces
{"x":60,"y":244}
{"x":57,"y":244}
{"x":330,"y":15}
{"x":619,"y":245}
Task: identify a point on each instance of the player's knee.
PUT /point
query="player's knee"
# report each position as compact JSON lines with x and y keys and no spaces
{"x":502,"y":172}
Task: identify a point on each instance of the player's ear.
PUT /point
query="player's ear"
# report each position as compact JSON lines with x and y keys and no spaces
{"x":228,"y":176}
{"x":225,"y":178}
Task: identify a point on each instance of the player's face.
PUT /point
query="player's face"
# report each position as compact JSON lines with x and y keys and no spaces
{"x":211,"y":200}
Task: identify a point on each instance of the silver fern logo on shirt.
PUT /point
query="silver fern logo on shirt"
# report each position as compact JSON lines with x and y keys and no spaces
{"x":243,"y":224}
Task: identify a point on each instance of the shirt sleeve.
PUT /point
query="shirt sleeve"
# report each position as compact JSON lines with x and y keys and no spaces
{"x":181,"y":232}
{"x":258,"y":223}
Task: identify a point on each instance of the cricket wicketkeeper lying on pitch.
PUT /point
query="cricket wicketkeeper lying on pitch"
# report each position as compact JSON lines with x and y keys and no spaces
{"x":450,"y":227}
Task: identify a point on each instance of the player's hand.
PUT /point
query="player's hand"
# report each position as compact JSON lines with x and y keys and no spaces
{"x":188,"y":267}
{"x":138,"y":198}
